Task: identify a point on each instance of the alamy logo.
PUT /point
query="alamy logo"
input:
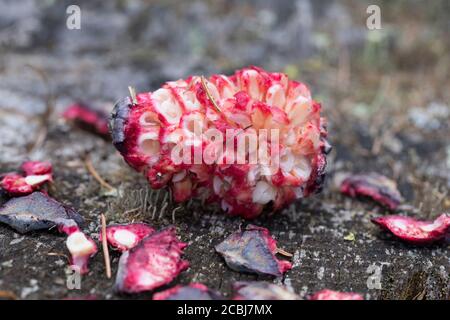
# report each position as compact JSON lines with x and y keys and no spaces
{"x":373,"y":22}
{"x":374,"y":280}
{"x":73,"y":280}
{"x":73,"y":21}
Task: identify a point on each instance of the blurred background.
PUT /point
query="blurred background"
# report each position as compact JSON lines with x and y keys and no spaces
{"x":379,"y":80}
{"x":385,"y":92}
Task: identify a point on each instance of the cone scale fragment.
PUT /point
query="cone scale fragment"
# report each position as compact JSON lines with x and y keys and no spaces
{"x":35,"y":174}
{"x":193,"y":291}
{"x":290,"y":150}
{"x":126,"y":236}
{"x":375,"y":186}
{"x":327,"y":294}
{"x":81,"y":249}
{"x":154,"y":262}
{"x":416,"y":231}
{"x":88,"y":119}
{"x":260,"y":290}
{"x":38,"y":211}
{"x":253,"y":251}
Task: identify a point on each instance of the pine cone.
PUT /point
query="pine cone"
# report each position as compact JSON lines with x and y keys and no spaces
{"x":246,"y":141}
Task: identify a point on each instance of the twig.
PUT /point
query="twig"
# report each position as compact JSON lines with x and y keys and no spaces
{"x":376,"y":103}
{"x":343,"y":72}
{"x":132,"y":94}
{"x":244,"y":129}
{"x":4,"y":294}
{"x":420,"y":295}
{"x":57,"y":254}
{"x":95,"y":174}
{"x":208,"y":94}
{"x":105,"y":247}
{"x":284,"y":253}
{"x":9,"y":111}
{"x":49,"y":107}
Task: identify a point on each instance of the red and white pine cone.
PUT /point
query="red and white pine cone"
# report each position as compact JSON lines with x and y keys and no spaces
{"x":147,"y":129}
{"x":34,"y":175}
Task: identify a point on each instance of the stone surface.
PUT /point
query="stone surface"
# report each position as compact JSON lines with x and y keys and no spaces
{"x":372,"y":93}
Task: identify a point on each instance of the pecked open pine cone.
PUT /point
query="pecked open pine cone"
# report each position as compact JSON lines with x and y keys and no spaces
{"x":247,"y":140}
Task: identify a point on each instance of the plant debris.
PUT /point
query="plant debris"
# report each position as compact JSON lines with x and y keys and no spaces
{"x":154,"y":262}
{"x":327,"y":294}
{"x":38,"y":211}
{"x":16,"y":185}
{"x":253,"y":250}
{"x":90,"y":167}
{"x":261,"y":290}
{"x":81,"y":248}
{"x":126,"y":236}
{"x":416,"y":231}
{"x":103,"y":239}
{"x":350,"y":237}
{"x":88,"y":119}
{"x":148,"y":129}
{"x":35,"y":174}
{"x":373,"y":185}
{"x":37,"y":167}
{"x":193,"y":291}
{"x":8,"y":295}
